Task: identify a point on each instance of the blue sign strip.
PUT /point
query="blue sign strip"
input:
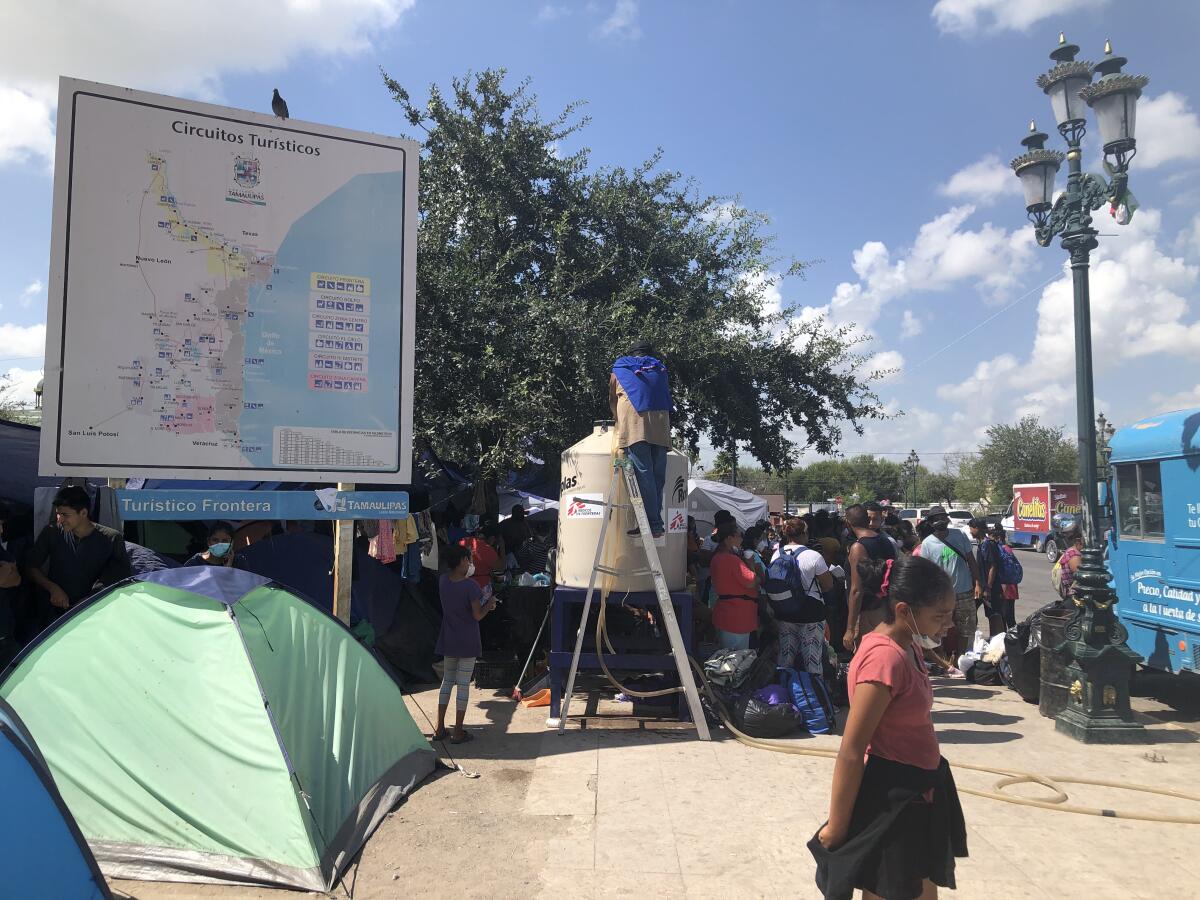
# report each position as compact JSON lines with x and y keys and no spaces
{"x":240,"y":505}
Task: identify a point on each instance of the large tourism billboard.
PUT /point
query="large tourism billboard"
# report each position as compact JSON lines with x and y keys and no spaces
{"x":231,"y":294}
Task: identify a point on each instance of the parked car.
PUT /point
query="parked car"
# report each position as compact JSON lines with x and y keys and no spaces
{"x":959,"y":519}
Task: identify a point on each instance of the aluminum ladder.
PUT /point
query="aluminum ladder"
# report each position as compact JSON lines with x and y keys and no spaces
{"x":622,"y":468}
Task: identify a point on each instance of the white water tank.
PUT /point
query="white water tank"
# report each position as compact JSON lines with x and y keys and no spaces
{"x":586,"y":474}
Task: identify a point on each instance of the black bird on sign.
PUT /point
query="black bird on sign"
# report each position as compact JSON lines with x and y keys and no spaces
{"x":278,"y":106}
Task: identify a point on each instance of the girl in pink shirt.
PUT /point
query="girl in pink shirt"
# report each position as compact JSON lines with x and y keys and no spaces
{"x":895,"y":824}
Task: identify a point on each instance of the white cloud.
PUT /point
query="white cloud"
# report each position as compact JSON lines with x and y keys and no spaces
{"x":26,"y":123}
{"x":722,"y":213}
{"x":944,"y":255}
{"x":1143,"y":304}
{"x":1189,"y":239}
{"x":622,"y":22}
{"x":31,"y":292}
{"x":22,"y":341}
{"x":1162,"y":403}
{"x":889,"y":361}
{"x":139,"y":46}
{"x":910,"y":325}
{"x":1168,"y":130}
{"x":967,"y":17}
{"x":551,"y":11}
{"x":20,"y":384}
{"x":982,"y":181}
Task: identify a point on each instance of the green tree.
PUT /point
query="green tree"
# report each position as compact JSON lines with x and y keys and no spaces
{"x":1027,"y":452}
{"x":534,"y":272}
{"x":862,"y":477}
{"x":874,"y":478}
{"x":971,"y":485}
{"x":722,"y":465}
{"x":10,"y":409}
{"x":940,"y":487}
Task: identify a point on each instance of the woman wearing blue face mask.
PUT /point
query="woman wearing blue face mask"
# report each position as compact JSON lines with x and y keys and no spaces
{"x":220,"y":547}
{"x":895,"y":824}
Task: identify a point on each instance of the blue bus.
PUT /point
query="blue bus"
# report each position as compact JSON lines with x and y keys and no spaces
{"x":1154,"y":545}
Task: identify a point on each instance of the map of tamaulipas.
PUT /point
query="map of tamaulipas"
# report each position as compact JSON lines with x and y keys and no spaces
{"x":233,"y":294}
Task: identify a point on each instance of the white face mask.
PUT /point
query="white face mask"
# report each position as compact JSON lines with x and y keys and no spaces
{"x":470,"y":569}
{"x":924,"y":641}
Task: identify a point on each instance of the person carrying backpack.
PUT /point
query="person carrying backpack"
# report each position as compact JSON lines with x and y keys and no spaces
{"x":1062,"y":576}
{"x":1011,"y":573}
{"x":806,"y":574}
{"x":990,"y":563}
{"x":895,"y":823}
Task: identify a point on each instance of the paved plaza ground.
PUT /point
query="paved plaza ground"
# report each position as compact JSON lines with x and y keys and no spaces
{"x":626,"y":810}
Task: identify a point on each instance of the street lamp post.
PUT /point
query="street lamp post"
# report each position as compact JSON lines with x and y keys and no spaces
{"x":1101,"y":662}
{"x":1104,"y":435}
{"x":912,"y":463}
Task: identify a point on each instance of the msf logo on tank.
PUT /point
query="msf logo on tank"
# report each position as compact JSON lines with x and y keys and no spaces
{"x":578,"y":508}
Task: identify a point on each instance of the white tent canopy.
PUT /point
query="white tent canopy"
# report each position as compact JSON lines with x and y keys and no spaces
{"x":706,"y":497}
{"x":537,"y":509}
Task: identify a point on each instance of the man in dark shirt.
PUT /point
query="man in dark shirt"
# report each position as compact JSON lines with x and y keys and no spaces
{"x":10,"y":586}
{"x":534,"y":555}
{"x":516,"y":531}
{"x":79,"y":553}
{"x":863,"y":613}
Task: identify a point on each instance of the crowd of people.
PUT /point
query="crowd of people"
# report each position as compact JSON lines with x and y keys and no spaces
{"x":819,"y":555}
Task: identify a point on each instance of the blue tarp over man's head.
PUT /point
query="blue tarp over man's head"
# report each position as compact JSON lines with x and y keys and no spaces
{"x":645,"y":382}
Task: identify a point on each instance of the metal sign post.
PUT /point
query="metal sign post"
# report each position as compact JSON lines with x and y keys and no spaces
{"x":343,"y":562}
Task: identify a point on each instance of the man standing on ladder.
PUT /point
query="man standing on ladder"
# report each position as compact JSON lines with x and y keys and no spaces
{"x":639,"y":394}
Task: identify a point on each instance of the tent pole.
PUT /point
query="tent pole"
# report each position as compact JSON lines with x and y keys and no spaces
{"x":343,"y":561}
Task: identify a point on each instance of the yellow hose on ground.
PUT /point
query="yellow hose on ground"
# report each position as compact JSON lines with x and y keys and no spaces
{"x":1008,"y":779}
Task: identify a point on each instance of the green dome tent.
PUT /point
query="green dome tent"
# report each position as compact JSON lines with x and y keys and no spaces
{"x":207,"y":724}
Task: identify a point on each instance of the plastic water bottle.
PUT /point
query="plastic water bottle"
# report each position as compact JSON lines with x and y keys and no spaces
{"x":980,"y":644}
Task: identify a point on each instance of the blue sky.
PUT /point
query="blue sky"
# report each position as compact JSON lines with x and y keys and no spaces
{"x":875,"y":135}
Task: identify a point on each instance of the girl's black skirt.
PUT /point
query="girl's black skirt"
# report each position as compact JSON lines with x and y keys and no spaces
{"x":897,"y":837}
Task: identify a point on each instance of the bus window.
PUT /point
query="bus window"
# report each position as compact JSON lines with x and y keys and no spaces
{"x":1152,"y":500}
{"x":1140,"y":500}
{"x":1128,"y":513}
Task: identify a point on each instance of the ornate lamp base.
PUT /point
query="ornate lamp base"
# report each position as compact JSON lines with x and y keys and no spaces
{"x":1098,"y":709}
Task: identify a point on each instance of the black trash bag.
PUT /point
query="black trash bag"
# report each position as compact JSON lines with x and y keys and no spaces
{"x":760,"y":719}
{"x":718,"y":703}
{"x":837,"y":679}
{"x":762,"y":672}
{"x":1022,"y":647}
{"x":1024,"y":661}
{"x":984,"y":673}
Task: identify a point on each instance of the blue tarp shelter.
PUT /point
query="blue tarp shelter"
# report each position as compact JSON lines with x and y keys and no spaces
{"x":405,"y":621}
{"x":19,"y":474}
{"x":305,"y":562}
{"x":42,"y":852}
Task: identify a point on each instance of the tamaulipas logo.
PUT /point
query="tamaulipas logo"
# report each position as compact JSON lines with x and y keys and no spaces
{"x":245,"y":172}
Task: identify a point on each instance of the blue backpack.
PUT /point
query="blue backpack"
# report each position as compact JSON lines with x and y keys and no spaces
{"x":810,"y":698}
{"x":789,"y":599}
{"x":1011,"y":571}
